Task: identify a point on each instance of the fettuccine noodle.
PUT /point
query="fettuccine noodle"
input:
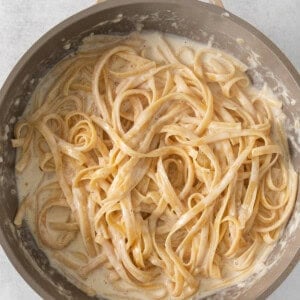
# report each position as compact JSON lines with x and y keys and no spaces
{"x":170,"y":170}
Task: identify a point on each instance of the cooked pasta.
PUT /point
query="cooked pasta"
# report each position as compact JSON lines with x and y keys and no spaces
{"x":164,"y":162}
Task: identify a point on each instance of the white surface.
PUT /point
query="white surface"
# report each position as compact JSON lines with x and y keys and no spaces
{"x":23,"y":22}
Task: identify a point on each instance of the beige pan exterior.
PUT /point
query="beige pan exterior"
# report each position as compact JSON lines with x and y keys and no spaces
{"x":194,"y":20}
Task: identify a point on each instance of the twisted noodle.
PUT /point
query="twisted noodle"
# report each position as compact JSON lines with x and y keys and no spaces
{"x":167,"y":171}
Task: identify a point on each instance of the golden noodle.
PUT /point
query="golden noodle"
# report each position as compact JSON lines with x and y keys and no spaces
{"x":169,"y":172}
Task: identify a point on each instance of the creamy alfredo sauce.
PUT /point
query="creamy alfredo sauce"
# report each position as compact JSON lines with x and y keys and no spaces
{"x":101,"y":280}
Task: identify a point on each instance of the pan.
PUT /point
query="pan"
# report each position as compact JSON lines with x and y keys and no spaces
{"x":192,"y":19}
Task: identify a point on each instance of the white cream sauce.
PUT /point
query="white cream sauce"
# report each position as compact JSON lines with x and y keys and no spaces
{"x":99,"y":280}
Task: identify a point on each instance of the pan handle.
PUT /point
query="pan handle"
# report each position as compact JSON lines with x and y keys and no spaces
{"x":214,"y":2}
{"x":217,"y":3}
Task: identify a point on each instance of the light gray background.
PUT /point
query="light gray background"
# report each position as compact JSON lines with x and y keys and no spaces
{"x":23,"y":22}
